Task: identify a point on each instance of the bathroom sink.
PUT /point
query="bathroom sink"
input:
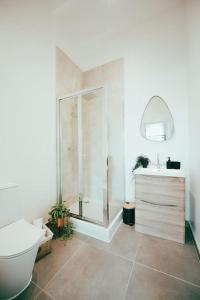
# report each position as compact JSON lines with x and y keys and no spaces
{"x":160,"y":172}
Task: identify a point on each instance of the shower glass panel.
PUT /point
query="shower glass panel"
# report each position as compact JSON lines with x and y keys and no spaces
{"x":83,"y":155}
{"x":69,"y":168}
{"x":94,"y":156}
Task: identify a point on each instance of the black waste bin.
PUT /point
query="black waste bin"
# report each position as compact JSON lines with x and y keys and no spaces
{"x":129,"y":213}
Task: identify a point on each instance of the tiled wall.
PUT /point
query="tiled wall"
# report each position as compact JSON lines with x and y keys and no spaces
{"x":68,"y":76}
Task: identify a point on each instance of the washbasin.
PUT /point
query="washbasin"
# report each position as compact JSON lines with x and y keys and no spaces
{"x":159,"y":172}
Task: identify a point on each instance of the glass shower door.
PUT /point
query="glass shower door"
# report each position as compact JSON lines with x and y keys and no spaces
{"x":68,"y":148}
{"x":94,"y":156}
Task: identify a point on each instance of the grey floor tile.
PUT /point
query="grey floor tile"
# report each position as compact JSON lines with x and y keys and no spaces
{"x":170,"y":257}
{"x":80,"y":236}
{"x":124,"y":243}
{"x":146,"y":284}
{"x":97,"y":243}
{"x":43,"y":296}
{"x":47,"y":267}
{"x":91,"y":273}
{"x":30,"y":293}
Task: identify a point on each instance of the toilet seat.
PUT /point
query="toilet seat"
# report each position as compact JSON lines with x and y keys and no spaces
{"x":18,"y":238}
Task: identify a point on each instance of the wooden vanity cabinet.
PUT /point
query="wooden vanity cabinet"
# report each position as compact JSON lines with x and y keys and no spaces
{"x":160,"y":206}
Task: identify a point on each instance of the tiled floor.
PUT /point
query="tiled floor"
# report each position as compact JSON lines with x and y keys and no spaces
{"x":132,"y":267}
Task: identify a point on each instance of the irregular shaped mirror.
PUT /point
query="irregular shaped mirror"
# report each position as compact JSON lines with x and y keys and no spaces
{"x":157,"y":123}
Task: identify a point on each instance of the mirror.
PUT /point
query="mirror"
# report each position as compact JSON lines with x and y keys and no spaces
{"x":157,"y":123}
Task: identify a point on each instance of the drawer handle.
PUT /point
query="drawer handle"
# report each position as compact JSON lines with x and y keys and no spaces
{"x":159,"y":204}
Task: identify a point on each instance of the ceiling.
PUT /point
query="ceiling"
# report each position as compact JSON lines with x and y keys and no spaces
{"x":93,"y":32}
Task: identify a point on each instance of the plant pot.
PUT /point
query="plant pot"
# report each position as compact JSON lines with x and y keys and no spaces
{"x":145,"y":164}
{"x":60,"y":222}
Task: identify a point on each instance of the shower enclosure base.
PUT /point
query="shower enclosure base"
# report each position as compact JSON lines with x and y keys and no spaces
{"x":97,"y":231}
{"x":93,"y":210}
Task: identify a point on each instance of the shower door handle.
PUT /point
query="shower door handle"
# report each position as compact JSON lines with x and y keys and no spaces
{"x":80,"y":202}
{"x":105,"y":193}
{"x":108,"y":160}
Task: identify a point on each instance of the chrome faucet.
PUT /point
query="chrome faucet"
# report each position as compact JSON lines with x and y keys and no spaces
{"x":158,"y":165}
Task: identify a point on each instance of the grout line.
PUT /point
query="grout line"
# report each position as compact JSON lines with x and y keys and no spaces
{"x":170,"y":275}
{"x":42,"y":291}
{"x":125,"y":258}
{"x":59,"y":271}
{"x":132,"y":270}
{"x":138,"y":248}
{"x":112,"y":253}
{"x":129,"y":278}
{"x":116,"y":254}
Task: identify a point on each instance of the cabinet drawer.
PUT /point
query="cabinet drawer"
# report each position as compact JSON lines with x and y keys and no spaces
{"x":161,"y":214}
{"x":160,"y":190}
{"x":164,"y":222}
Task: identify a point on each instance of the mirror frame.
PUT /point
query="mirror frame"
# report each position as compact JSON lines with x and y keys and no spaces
{"x":173,"y":130}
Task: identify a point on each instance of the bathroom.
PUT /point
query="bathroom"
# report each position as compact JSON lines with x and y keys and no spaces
{"x":158,"y":45}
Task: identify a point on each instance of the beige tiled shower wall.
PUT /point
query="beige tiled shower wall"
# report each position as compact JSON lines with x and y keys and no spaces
{"x":69,"y":78}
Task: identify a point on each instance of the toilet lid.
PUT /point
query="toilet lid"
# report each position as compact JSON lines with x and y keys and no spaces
{"x":17,"y":238}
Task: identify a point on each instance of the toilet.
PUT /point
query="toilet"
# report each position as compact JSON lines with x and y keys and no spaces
{"x":19,"y":244}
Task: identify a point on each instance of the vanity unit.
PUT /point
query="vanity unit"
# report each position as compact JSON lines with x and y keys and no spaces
{"x":160,"y":203}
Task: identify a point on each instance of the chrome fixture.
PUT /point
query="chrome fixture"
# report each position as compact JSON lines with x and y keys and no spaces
{"x":158,"y":164}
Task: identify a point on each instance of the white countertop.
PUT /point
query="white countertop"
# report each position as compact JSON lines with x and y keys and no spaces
{"x":159,"y":172}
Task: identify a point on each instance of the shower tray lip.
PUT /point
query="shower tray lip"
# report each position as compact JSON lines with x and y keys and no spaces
{"x":98,"y":231}
{"x":86,"y":219}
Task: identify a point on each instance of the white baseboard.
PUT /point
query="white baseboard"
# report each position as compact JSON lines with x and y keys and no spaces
{"x":195,"y":239}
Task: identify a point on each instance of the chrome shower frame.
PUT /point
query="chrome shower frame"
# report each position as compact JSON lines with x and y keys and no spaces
{"x":78,"y":94}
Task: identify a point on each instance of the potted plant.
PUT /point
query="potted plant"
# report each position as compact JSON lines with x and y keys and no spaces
{"x":59,"y":212}
{"x":141,"y":161}
{"x":59,"y":221}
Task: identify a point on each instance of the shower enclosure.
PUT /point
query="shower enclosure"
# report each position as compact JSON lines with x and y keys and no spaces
{"x":85,"y":172}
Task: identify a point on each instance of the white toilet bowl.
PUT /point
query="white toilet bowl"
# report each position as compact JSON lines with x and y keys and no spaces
{"x":19,"y":244}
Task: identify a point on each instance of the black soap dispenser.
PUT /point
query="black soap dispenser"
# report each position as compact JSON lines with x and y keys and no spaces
{"x":169,"y":163}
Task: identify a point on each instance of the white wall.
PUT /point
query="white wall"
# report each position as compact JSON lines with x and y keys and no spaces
{"x":94,"y":32}
{"x":193,"y":30}
{"x":27,"y":108}
{"x":155,"y":65}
